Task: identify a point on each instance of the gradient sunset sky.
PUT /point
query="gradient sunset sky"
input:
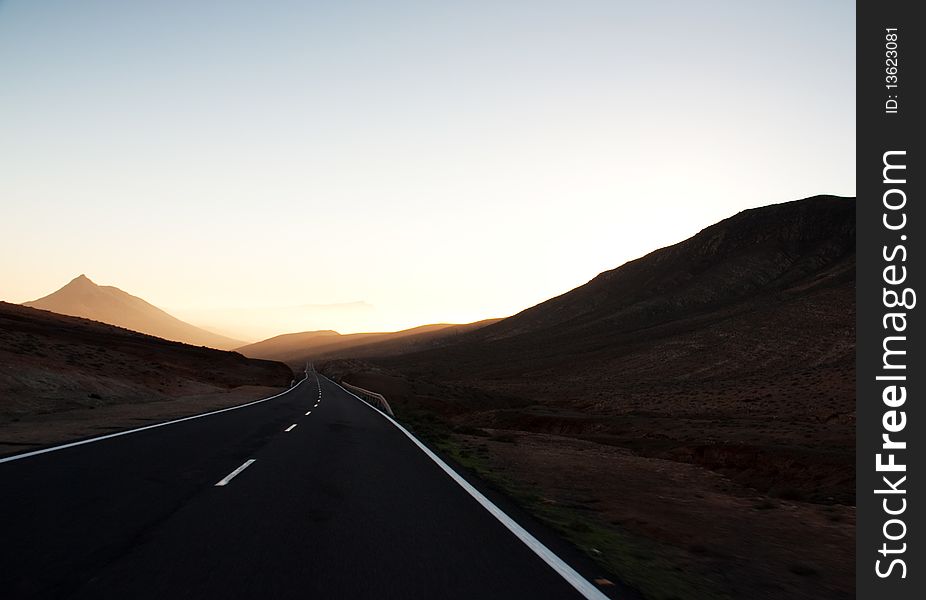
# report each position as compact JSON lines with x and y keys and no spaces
{"x":437,"y":161}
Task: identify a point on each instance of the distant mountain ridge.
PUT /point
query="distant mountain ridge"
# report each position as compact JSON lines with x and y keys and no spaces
{"x":297,"y":348}
{"x":81,"y":297}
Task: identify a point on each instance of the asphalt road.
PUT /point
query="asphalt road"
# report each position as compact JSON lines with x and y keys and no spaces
{"x":336,"y":503}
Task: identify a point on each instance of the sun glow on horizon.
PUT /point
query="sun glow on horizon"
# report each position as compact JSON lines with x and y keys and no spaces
{"x":232,"y":162}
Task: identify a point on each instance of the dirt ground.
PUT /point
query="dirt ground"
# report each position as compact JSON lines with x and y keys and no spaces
{"x":35,"y":431}
{"x":728,"y":539}
{"x":63,"y":378}
{"x":684,"y":492}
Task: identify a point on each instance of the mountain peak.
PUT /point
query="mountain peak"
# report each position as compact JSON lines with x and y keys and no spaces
{"x":81,"y":280}
{"x":81,"y":297}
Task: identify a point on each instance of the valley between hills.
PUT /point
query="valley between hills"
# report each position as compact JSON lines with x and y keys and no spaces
{"x":686,"y":419}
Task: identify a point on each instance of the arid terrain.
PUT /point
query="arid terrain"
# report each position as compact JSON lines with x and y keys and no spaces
{"x":65,"y":377}
{"x":687,"y":418}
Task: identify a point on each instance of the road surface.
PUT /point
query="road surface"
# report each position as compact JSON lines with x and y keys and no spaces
{"x":311,"y":494}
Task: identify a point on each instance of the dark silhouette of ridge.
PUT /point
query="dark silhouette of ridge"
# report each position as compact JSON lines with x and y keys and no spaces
{"x":756,"y":312}
{"x":724,"y":364}
{"x":770,"y":253}
{"x":770,"y":248}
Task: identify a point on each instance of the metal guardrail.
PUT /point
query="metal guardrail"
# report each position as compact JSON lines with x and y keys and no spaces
{"x":371,"y":398}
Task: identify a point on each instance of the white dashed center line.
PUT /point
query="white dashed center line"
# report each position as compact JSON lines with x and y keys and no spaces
{"x":308,"y":413}
{"x":232,"y":475}
{"x":291,"y":427}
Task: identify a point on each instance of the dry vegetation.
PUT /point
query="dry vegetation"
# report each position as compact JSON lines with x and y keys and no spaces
{"x":65,"y":377}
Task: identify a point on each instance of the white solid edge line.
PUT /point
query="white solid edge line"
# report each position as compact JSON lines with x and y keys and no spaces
{"x":232,"y":475}
{"x":146,"y":427}
{"x":582,"y":585}
{"x":291,"y":427}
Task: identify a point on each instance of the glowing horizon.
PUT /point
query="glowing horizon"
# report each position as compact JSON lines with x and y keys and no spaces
{"x":438,"y":163}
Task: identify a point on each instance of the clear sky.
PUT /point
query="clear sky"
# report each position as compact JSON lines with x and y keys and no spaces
{"x":435,"y":161}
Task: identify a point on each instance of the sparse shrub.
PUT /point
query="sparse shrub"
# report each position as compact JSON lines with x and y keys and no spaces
{"x":579,"y":526}
{"x":469,"y":430}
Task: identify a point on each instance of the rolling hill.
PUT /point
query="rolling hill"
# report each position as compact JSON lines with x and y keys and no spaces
{"x":106,"y":304}
{"x":297,"y":348}
{"x":734,"y":328}
{"x":747,"y":268}
{"x":53,"y":363}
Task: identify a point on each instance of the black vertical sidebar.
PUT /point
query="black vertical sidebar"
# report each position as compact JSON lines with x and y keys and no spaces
{"x":891,"y":220}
